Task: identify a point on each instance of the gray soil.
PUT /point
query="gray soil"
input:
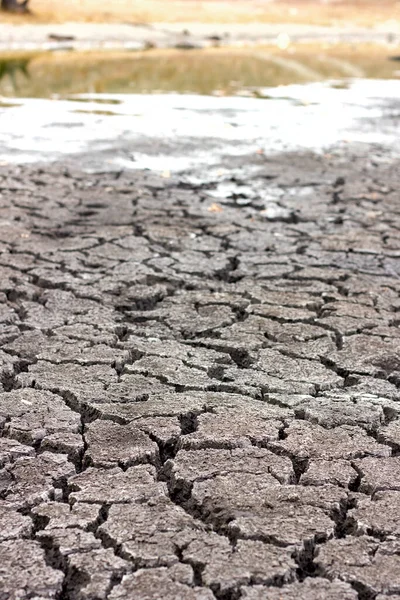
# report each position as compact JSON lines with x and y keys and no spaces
{"x":200,"y":400}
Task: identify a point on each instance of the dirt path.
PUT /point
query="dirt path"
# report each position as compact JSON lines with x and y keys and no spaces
{"x":200,"y":398}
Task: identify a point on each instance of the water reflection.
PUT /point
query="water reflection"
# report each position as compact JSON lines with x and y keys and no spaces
{"x":11,"y":68}
{"x":218,"y":71}
{"x":201,"y":134}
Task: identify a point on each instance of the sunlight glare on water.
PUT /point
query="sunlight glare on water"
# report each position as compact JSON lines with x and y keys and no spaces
{"x":180,"y":132}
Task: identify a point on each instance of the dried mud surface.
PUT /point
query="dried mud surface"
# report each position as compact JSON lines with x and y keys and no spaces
{"x":200,"y":400}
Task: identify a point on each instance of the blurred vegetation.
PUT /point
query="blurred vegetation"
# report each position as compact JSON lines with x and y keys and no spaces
{"x":309,"y":12}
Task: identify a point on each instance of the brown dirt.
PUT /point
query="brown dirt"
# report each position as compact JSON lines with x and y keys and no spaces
{"x":360,"y":12}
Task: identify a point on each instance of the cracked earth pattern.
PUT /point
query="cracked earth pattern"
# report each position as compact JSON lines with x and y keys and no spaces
{"x":200,"y":400}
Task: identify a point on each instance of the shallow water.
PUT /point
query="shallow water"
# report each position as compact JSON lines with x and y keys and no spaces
{"x":200,"y":135}
{"x":222,"y":71}
{"x":196,"y":112}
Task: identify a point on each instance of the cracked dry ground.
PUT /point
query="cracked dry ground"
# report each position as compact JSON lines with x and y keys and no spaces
{"x":200,"y":403}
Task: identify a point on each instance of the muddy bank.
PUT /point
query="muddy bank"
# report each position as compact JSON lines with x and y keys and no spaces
{"x":200,"y":396}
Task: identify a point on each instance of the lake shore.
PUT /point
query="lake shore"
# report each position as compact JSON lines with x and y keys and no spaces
{"x":185,"y":35}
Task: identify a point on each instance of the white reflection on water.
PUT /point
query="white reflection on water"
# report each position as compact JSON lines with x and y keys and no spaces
{"x":181,"y":132}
